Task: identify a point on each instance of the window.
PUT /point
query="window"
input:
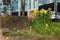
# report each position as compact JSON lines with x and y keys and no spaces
{"x":49,"y":1}
{"x":32,"y":4}
{"x":29,"y":4}
{"x":35,"y":3}
{"x":58,"y":7}
{"x":26,"y":5}
{"x":40,"y":2}
{"x":0,"y":8}
{"x":0,"y":5}
{"x":15,"y":5}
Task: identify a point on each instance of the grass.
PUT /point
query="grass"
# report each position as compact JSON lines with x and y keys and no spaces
{"x":53,"y":29}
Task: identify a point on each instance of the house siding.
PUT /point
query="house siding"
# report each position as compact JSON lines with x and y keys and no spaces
{"x":31,"y":4}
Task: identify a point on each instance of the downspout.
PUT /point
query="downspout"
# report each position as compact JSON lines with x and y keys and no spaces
{"x":19,"y":9}
{"x":28,"y":9}
{"x":2,"y":8}
{"x":10,"y":8}
{"x":23,"y":7}
{"x":55,"y":9}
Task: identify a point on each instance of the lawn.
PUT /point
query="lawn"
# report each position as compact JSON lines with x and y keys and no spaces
{"x":54,"y":29}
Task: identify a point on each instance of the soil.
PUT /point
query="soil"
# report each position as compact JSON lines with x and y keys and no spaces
{"x":36,"y":37}
{"x":12,"y":22}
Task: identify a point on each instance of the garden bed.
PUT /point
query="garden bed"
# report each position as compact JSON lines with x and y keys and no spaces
{"x":17,"y":22}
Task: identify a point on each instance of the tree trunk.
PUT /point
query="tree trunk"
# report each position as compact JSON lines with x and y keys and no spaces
{"x":23,"y":7}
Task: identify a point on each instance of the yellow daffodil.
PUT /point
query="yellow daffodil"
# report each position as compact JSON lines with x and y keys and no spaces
{"x":35,"y":10}
{"x":45,"y":11}
{"x":49,"y":9}
{"x":41,"y":11}
{"x":46,"y":25}
{"x":35,"y":14}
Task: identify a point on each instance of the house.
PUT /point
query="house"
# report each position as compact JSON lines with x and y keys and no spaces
{"x":4,"y":6}
{"x":13,"y":7}
{"x":29,"y":6}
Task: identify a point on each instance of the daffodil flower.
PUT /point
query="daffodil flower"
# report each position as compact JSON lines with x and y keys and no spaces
{"x":45,"y":11}
{"x":35,"y":10}
{"x":41,"y":11}
{"x":49,"y":9}
{"x":46,"y":25}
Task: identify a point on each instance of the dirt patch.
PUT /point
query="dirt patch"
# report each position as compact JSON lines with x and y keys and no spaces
{"x":36,"y":37}
{"x":17,"y":22}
